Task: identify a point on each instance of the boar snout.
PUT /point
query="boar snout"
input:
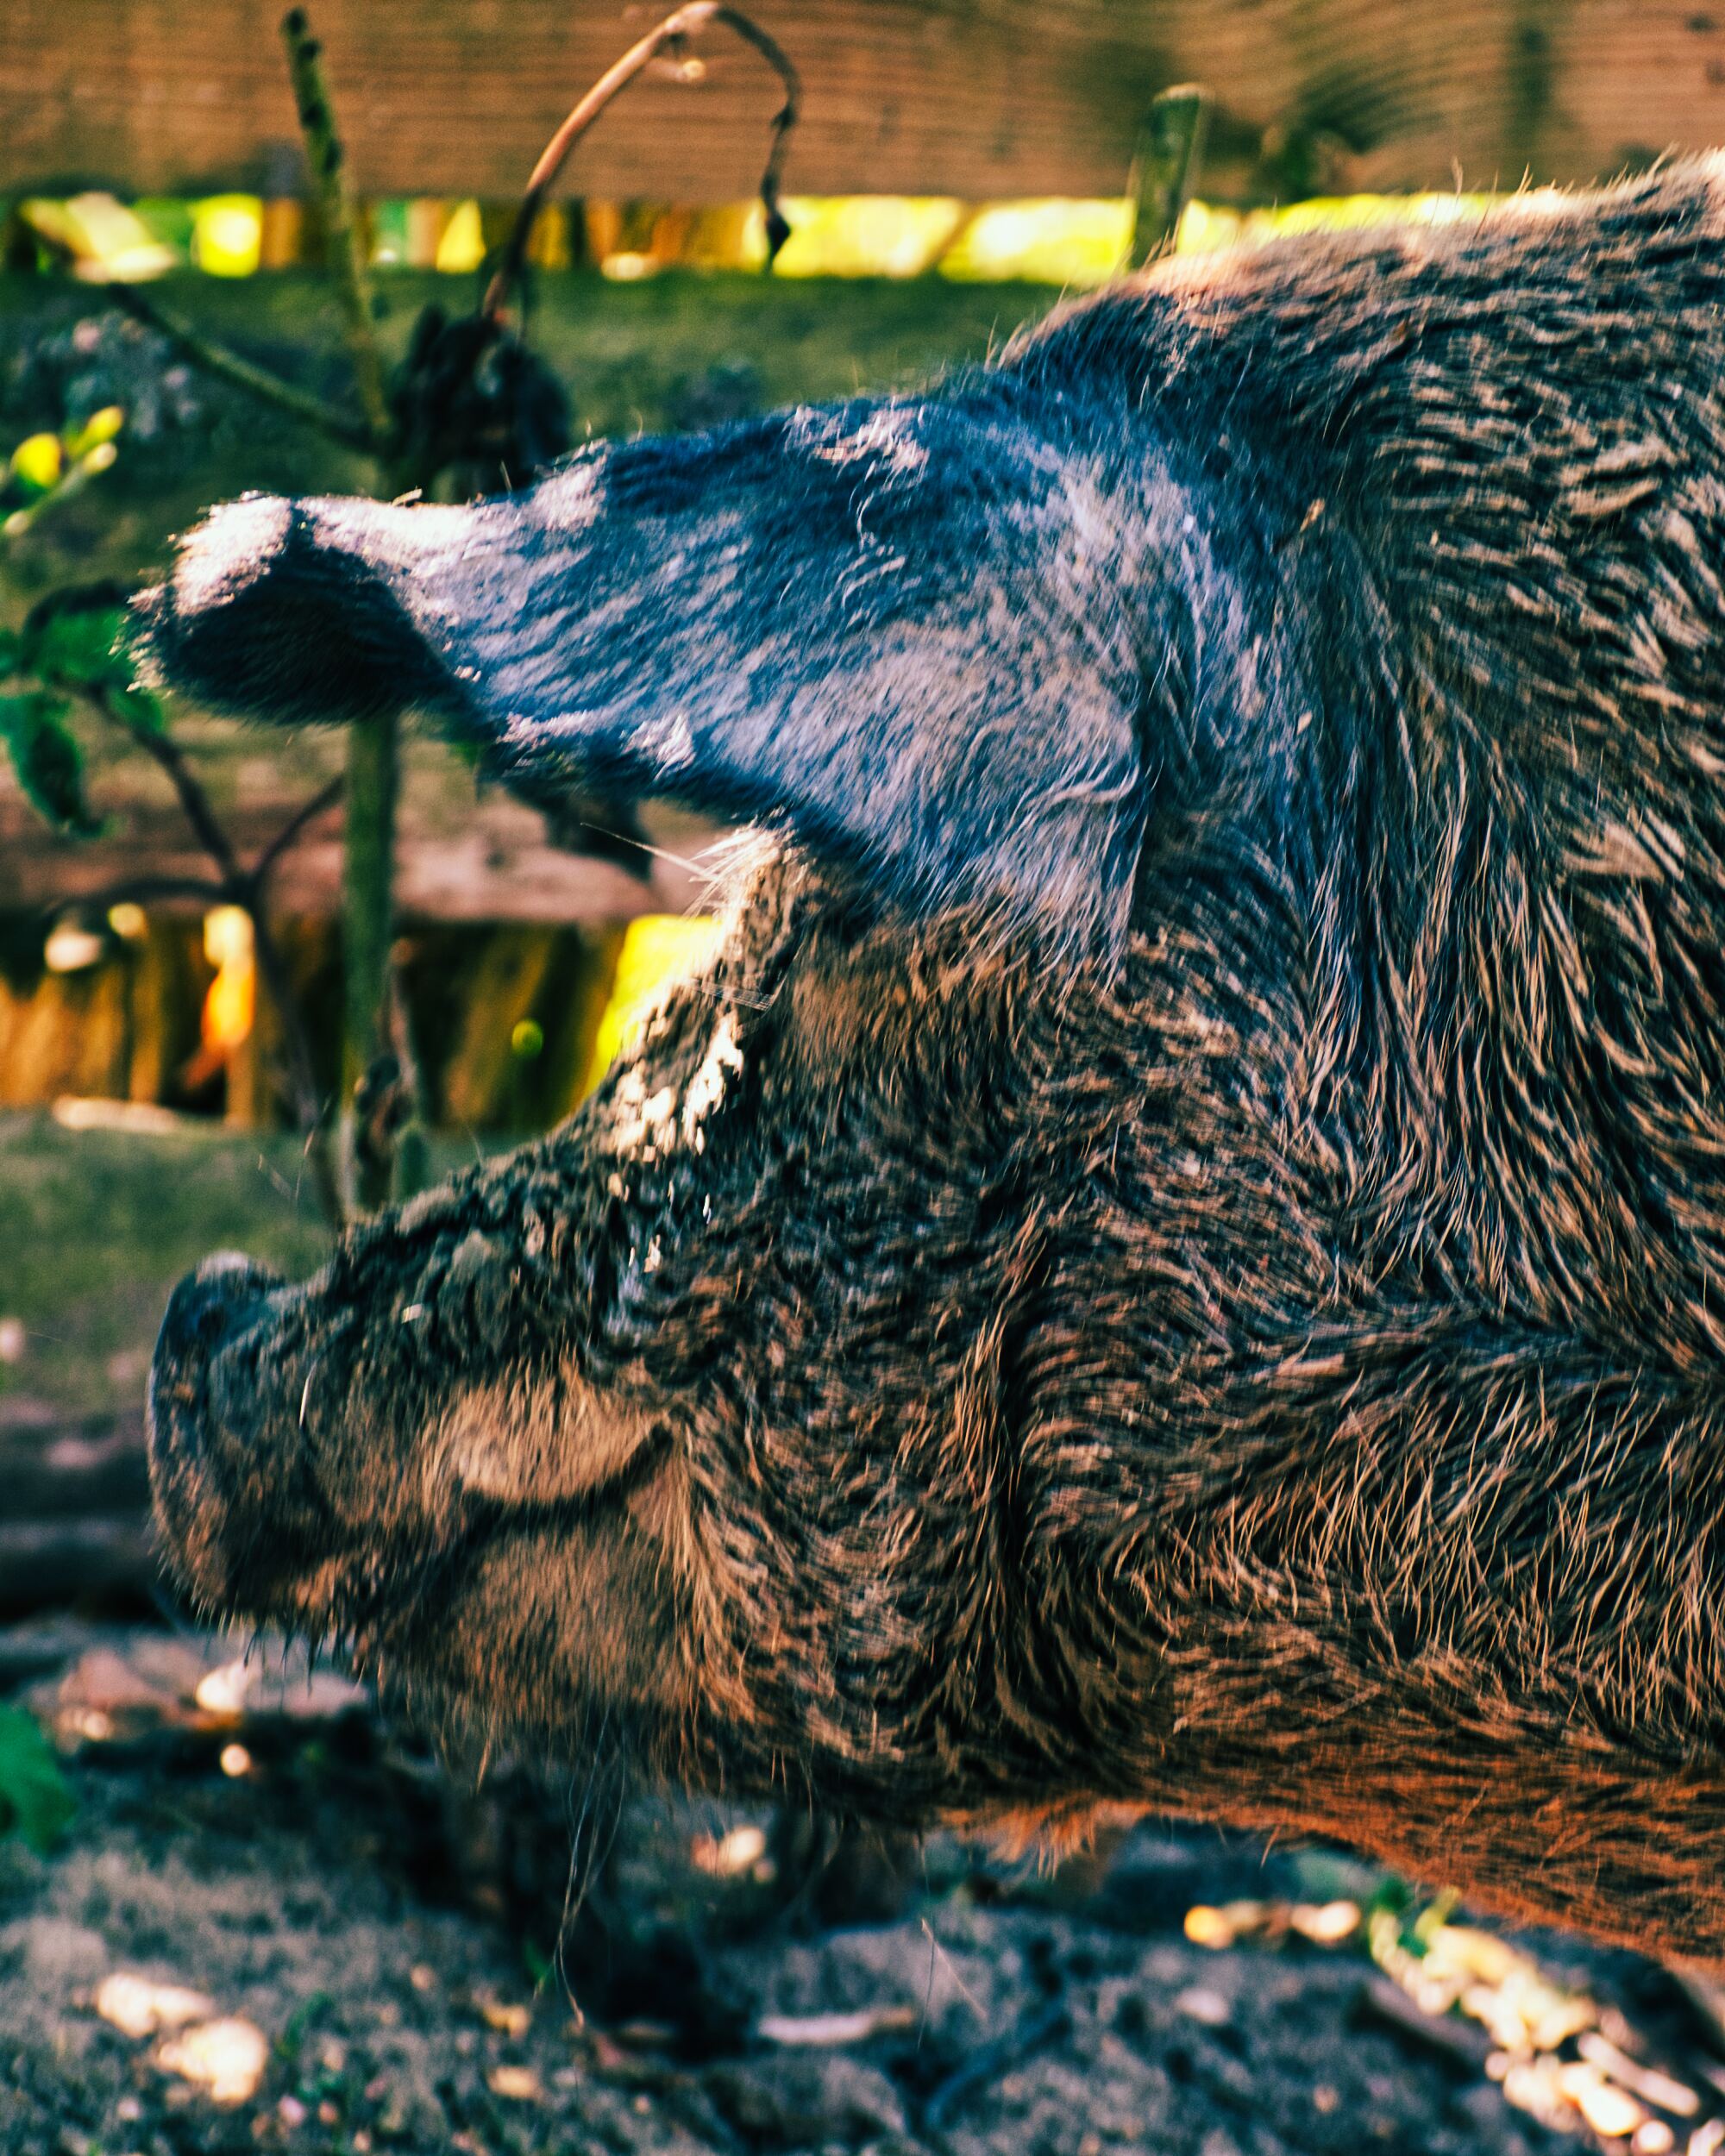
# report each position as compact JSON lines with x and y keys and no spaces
{"x":227,"y":1293}
{"x":350,"y":1454}
{"x":215,"y":1486}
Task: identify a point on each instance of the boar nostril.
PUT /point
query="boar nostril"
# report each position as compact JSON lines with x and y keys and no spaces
{"x":210,"y":1305}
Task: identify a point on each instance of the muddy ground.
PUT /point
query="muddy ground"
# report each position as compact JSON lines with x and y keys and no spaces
{"x":386,"y":1940}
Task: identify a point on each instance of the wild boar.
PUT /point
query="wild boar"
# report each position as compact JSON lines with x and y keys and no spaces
{"x":1176,"y":1255}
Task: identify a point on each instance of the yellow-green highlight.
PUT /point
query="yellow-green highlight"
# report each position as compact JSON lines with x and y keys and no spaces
{"x":1077,"y":244}
{"x":657,"y":949}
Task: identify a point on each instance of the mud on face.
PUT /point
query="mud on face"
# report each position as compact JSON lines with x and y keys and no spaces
{"x":591,"y":1433}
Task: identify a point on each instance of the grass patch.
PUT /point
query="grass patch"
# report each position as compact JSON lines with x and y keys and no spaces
{"x":96,"y":1226}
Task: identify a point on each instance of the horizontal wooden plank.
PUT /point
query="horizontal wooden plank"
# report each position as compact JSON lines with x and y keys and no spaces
{"x":979,"y":98}
{"x":498,"y":866}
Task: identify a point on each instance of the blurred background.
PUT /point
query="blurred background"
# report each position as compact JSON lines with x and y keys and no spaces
{"x":251,"y":985}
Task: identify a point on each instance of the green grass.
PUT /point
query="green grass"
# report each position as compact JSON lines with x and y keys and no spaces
{"x":96,"y":1226}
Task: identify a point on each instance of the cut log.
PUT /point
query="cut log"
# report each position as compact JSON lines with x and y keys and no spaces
{"x":74,"y":1527}
{"x":71,"y":1034}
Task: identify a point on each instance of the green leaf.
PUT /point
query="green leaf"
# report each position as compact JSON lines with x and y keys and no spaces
{"x":142,"y":708}
{"x":47,"y":759}
{"x":8,"y":653}
{"x":35,"y":1801}
{"x":77,"y":646}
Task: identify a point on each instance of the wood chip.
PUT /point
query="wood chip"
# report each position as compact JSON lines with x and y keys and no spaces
{"x":828,"y":2031}
{"x":516,"y":2084}
{"x":225,"y":2058}
{"x":1647,"y":2082}
{"x":507,"y":2020}
{"x":139,"y":2006}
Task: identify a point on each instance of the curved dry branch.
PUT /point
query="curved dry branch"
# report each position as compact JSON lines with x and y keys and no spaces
{"x":325,"y":797}
{"x":237,"y":885}
{"x":683,"y":23}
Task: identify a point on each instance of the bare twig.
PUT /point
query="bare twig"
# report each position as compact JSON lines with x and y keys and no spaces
{"x":1044,"y":2025}
{"x":227,"y":367}
{"x":167,"y":753}
{"x":684,"y":22}
{"x":323,"y":153}
{"x":342,"y":234}
{"x":89,"y":466}
{"x":246,"y":888}
{"x":324,"y":150}
{"x":325,"y":797}
{"x":216,"y":359}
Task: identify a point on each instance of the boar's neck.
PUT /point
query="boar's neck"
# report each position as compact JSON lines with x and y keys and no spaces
{"x":1423,"y":1548}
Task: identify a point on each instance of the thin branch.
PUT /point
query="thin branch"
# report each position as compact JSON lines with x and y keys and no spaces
{"x":325,"y":797}
{"x":89,"y":465}
{"x":342,"y":235}
{"x":166,"y":752}
{"x":227,"y":367}
{"x":246,"y":888}
{"x":784,"y":120}
{"x":324,"y":149}
{"x":684,"y":22}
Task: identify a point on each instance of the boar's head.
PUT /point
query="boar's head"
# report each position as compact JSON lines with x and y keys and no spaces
{"x":1172,"y":1255}
{"x":717,"y":1415}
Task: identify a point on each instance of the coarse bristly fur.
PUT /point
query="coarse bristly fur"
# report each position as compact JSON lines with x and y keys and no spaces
{"x":1176,"y":1255}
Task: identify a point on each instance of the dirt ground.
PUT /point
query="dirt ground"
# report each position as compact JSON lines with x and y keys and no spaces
{"x":377,"y":1945}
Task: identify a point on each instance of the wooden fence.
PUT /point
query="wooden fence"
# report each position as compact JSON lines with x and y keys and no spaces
{"x":983,"y":99}
{"x":979,"y":99}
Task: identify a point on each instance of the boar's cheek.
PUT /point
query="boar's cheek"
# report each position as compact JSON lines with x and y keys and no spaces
{"x":543,"y":1627}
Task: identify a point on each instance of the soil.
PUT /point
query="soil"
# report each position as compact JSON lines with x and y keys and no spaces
{"x":393,"y":1935}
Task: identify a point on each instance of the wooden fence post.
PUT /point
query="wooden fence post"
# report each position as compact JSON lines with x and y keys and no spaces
{"x":1170,"y":147}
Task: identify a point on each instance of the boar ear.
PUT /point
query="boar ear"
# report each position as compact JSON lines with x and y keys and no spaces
{"x":267,"y":618}
{"x":905,"y":631}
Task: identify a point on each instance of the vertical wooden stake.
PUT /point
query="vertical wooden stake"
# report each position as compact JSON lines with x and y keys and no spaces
{"x":368,"y":928}
{"x":343,"y":228}
{"x":367,"y":891}
{"x":1170,"y":147}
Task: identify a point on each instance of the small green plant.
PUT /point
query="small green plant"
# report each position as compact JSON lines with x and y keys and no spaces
{"x":46,"y":469}
{"x":63,"y":652}
{"x":69,"y":651}
{"x":35,"y":1801}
